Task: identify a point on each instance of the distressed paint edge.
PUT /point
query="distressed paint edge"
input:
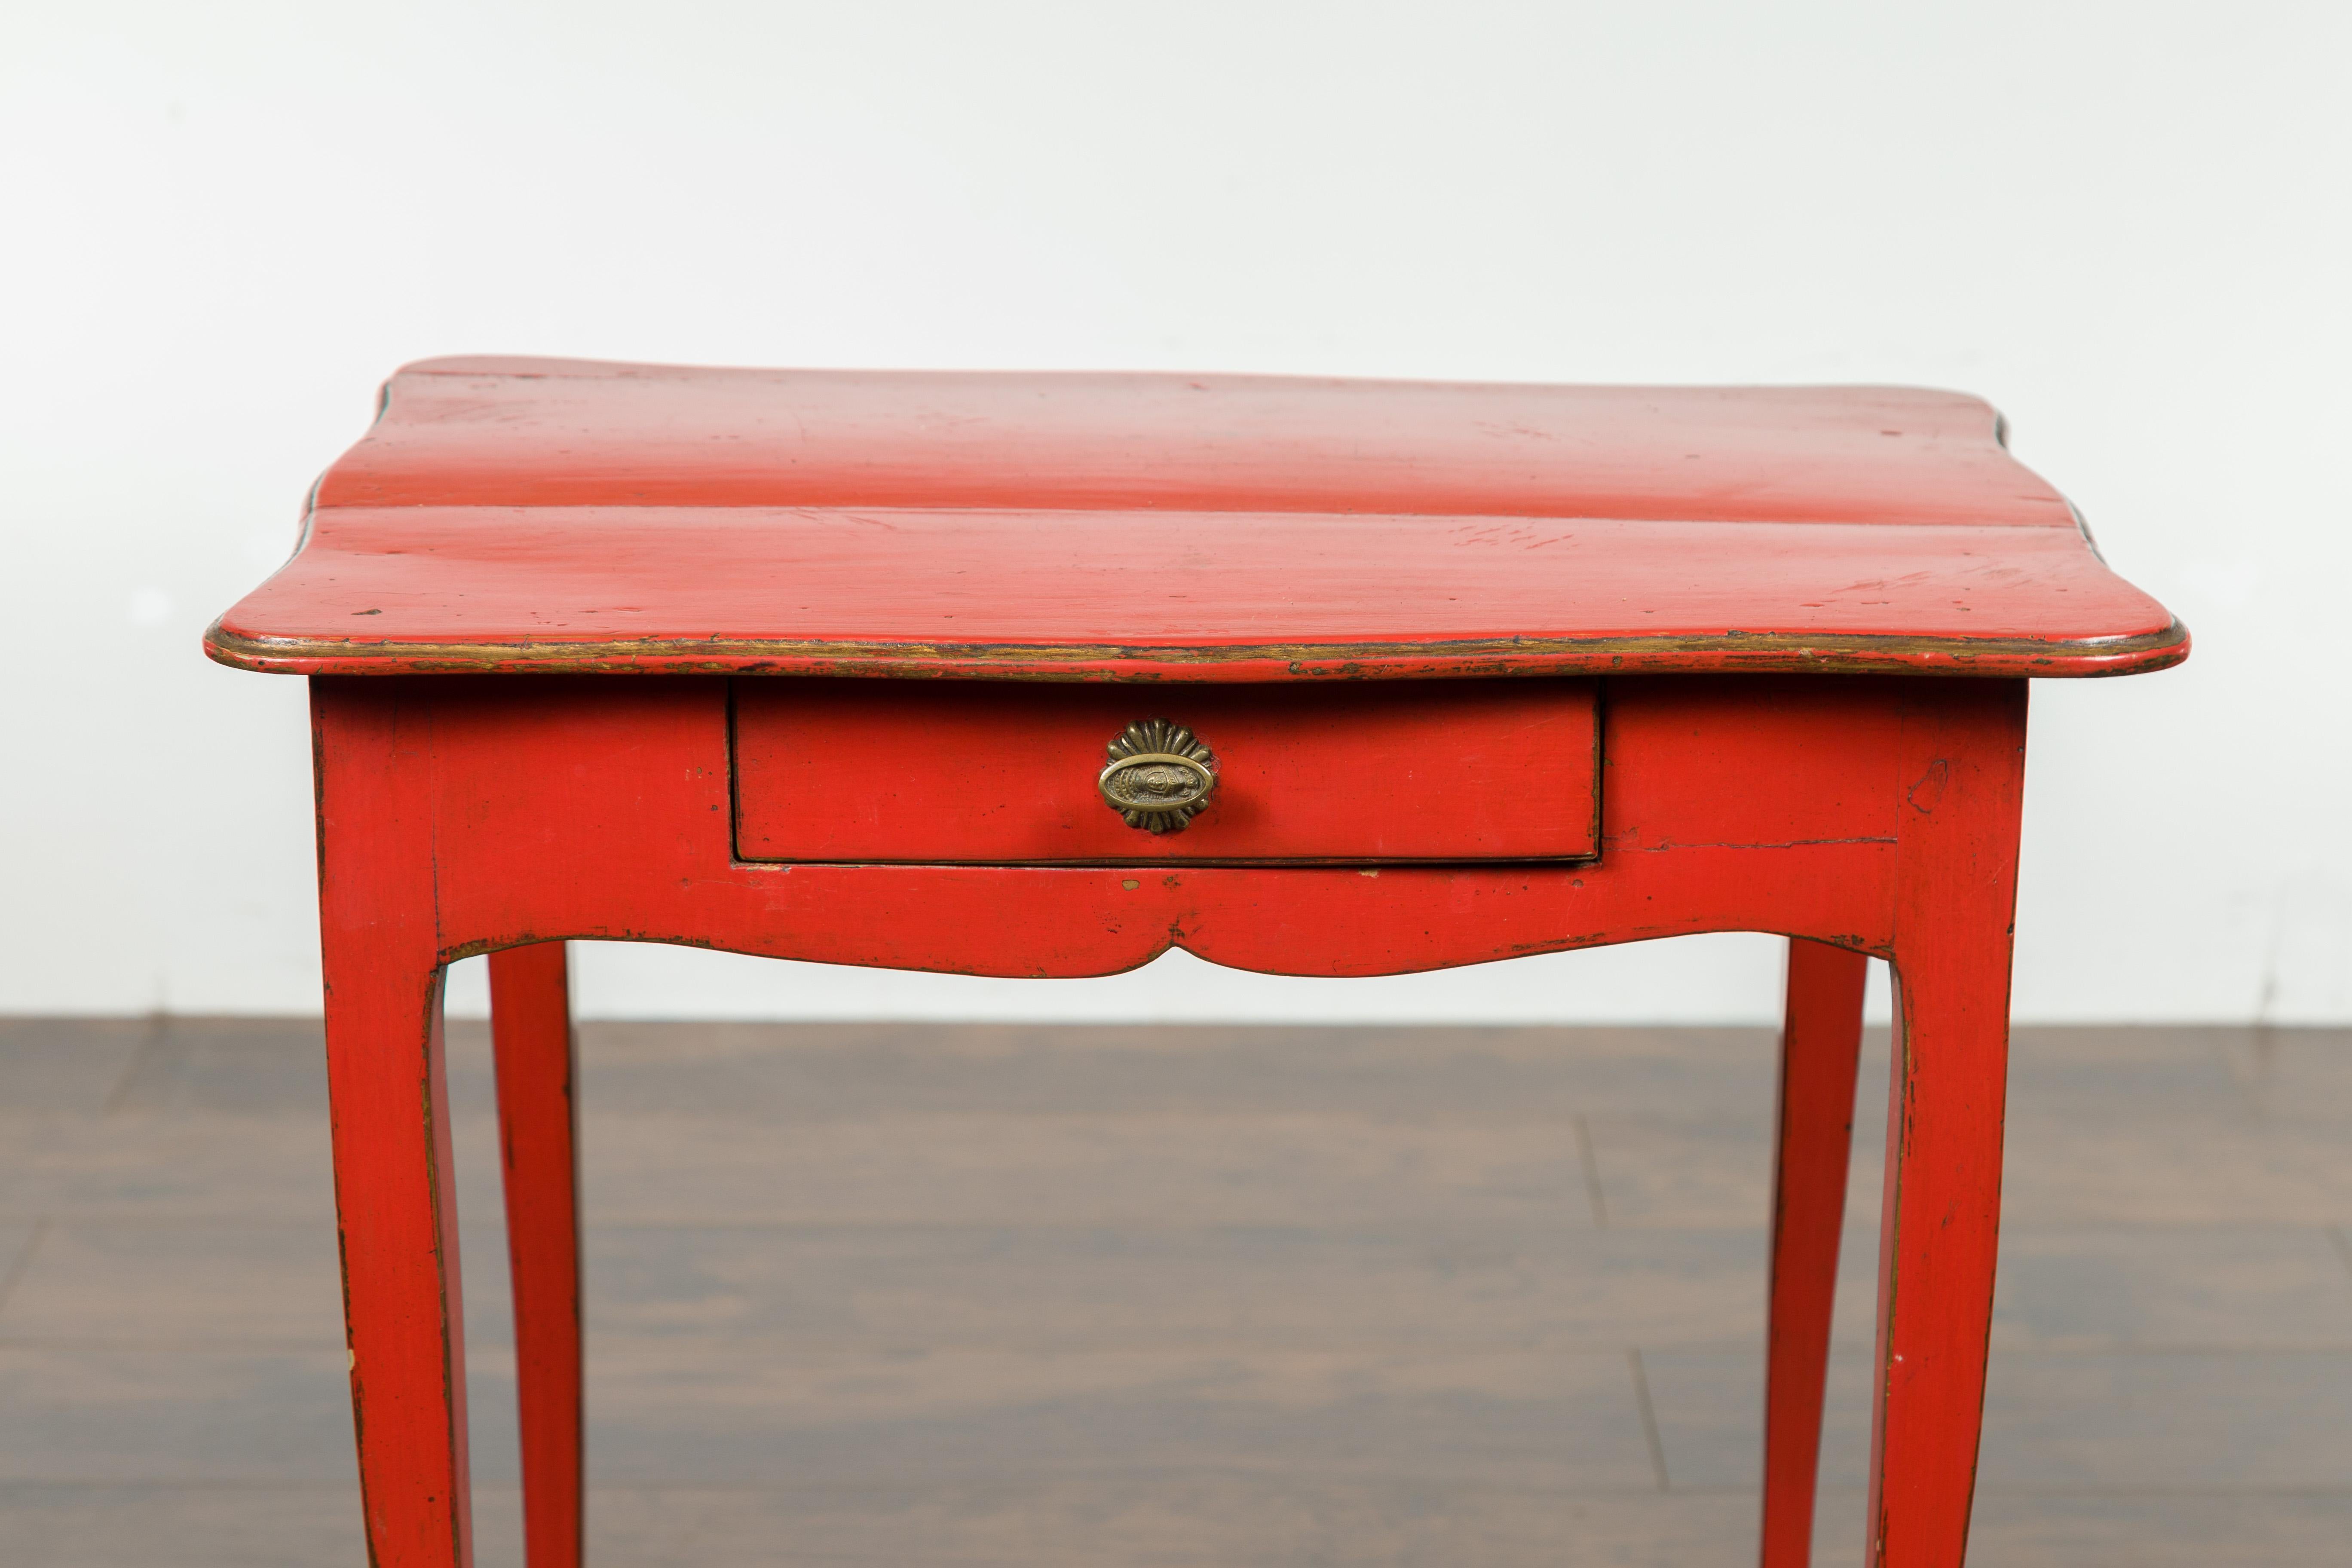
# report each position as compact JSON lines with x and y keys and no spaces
{"x":1762,"y":652}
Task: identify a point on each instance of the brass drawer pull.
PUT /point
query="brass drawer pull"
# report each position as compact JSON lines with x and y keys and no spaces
{"x":1159,"y":776}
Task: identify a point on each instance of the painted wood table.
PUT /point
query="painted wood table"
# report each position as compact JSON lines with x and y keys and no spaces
{"x":1045,"y":674}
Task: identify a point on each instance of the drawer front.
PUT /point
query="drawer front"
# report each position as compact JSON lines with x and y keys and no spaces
{"x":1016,"y":773}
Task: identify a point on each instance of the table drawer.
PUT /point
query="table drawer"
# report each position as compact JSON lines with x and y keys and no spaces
{"x":1020,"y":773}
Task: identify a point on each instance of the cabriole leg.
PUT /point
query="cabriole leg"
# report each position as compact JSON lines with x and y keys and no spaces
{"x":398,"y":1222}
{"x":1940,"y":1226}
{"x":530,"y":1027}
{"x":1821,"y":1044}
{"x":396,"y":1198}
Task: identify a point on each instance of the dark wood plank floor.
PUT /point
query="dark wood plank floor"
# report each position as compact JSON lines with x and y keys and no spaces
{"x":905,"y":1295}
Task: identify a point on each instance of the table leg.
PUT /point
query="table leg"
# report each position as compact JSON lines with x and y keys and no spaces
{"x":1940,"y":1222}
{"x":530,"y":1027}
{"x":1821,"y":1044}
{"x":396,"y":1207}
{"x":395,"y":1193}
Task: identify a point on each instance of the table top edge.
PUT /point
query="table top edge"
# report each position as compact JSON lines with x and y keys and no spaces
{"x":1764,"y":653}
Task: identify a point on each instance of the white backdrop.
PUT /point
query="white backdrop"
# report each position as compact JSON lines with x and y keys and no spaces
{"x":2126,"y":224}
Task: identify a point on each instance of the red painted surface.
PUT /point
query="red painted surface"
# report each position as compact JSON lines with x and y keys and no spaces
{"x":929,"y":771}
{"x":513,"y":515}
{"x":524,"y":433}
{"x":1963,"y":777}
{"x":535,"y":517}
{"x":1878,"y":815}
{"x":530,"y":1025}
{"x":395,"y":1193}
{"x":1821,"y":1046}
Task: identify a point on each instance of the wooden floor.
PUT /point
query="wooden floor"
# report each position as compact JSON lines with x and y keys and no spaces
{"x":910,"y":1295}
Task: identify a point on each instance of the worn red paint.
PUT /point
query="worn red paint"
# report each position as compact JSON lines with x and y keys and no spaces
{"x":1863,"y":814}
{"x":531,"y":1018}
{"x":454,"y":813}
{"x":1821,"y":1046}
{"x":930,"y":770}
{"x":513,"y":515}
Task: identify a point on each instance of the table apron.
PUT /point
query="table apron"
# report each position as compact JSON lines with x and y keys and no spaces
{"x":481,"y":813}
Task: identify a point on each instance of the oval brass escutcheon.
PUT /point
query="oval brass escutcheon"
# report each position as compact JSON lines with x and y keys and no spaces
{"x":1159,"y":776}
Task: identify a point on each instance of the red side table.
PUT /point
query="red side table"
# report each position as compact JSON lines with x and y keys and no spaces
{"x":1041,"y":675}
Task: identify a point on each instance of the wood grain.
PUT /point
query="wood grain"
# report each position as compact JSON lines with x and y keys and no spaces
{"x":174,"y":1383}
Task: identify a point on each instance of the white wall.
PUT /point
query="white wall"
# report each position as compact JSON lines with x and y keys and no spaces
{"x":2126,"y":224}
